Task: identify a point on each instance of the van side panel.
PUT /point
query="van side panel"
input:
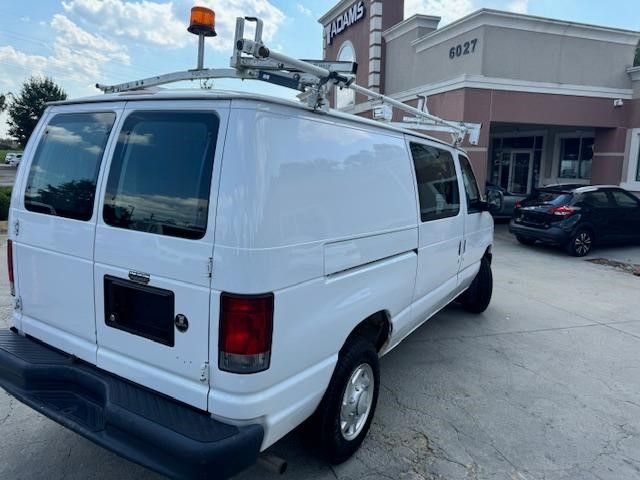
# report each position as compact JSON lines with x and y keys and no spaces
{"x":293,"y":182}
{"x":323,"y":214}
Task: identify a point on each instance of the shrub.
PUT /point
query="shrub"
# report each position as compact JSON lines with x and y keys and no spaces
{"x":5,"y":199}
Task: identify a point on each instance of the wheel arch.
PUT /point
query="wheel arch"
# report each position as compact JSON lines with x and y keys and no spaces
{"x":376,"y":328}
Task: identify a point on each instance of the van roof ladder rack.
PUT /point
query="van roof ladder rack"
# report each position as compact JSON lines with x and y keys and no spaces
{"x":252,"y":60}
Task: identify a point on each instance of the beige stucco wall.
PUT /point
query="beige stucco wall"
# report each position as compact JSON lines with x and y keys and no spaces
{"x":540,"y":57}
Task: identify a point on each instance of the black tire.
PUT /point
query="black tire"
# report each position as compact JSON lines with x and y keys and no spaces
{"x":525,"y":240}
{"x":581,"y":243}
{"x":477,"y":298}
{"x":323,"y":430}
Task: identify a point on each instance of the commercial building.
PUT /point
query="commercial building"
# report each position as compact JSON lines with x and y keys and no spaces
{"x":558,"y":101}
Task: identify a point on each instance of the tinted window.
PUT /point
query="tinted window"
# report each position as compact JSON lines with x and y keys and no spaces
{"x":597,"y":199}
{"x":437,"y":182}
{"x":161,"y":173}
{"x":576,"y":155}
{"x":470,"y":185}
{"x":624,"y":199}
{"x":64,"y":171}
{"x":550,"y":197}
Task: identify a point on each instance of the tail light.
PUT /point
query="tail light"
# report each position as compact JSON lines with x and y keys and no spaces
{"x":10,"y":266}
{"x":563,"y":210}
{"x":246,"y":326}
{"x":518,"y":204}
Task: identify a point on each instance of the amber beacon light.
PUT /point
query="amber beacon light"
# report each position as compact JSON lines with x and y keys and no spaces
{"x":202,"y":22}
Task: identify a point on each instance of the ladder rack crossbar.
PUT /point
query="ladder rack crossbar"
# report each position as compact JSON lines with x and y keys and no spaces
{"x":252,"y":60}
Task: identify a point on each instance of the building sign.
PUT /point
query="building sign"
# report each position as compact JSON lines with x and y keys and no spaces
{"x":465,"y":48}
{"x":352,"y":15}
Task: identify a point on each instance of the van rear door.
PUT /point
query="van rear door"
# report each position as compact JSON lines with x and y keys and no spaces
{"x":154,"y":245}
{"x":54,"y":220}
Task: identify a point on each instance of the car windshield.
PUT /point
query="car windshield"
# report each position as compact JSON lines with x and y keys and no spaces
{"x":549,"y":197}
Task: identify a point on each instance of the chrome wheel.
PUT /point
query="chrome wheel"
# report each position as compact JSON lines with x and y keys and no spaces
{"x":357,"y":401}
{"x":582,"y":243}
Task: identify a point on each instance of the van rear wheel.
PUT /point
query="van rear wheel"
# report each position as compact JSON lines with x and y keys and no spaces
{"x":478,"y":296}
{"x":341,"y":422}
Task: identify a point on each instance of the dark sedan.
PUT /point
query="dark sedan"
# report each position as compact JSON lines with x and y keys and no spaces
{"x":577,"y":217}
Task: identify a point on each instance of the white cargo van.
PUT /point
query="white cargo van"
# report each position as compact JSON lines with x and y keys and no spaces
{"x":198,"y":273}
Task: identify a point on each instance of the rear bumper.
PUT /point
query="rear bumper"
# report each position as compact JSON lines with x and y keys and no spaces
{"x":138,"y":424}
{"x":555,"y":235}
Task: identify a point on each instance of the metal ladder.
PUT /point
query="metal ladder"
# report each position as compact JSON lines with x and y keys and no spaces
{"x":252,"y":60}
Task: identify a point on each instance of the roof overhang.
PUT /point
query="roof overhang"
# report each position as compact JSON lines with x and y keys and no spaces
{"x":337,"y":9}
{"x":634,"y":73}
{"x":411,"y":23}
{"x":530,"y":23}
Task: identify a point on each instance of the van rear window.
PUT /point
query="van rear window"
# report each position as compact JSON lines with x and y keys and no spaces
{"x":160,"y":175}
{"x":64,"y":170}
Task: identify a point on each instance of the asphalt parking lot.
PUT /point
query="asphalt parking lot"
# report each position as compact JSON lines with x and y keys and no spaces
{"x":7,"y":175}
{"x":543,"y":385}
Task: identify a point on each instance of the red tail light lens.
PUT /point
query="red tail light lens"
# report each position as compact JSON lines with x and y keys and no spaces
{"x":518,"y":204}
{"x":246,"y":326}
{"x":10,"y":266}
{"x":563,"y":210}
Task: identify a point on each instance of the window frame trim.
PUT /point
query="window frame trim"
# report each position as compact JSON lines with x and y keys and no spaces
{"x":558,"y":153}
{"x":631,"y":180}
{"x":482,"y":198}
{"x":343,"y":45}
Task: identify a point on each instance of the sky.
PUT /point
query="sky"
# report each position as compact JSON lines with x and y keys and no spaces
{"x":79,"y":43}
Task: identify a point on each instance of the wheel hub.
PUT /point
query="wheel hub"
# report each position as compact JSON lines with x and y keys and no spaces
{"x":583,"y":243}
{"x":356,"y":402}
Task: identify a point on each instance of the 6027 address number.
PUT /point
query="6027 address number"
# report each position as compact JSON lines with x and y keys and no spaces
{"x":463,"y":49}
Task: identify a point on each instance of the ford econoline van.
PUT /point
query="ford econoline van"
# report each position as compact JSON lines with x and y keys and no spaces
{"x":196,"y":274}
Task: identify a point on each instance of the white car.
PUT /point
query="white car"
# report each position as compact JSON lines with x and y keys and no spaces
{"x":198,"y":273}
{"x":13,"y":159}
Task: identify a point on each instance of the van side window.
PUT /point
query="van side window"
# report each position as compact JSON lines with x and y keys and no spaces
{"x":160,"y":175}
{"x":437,"y":182}
{"x":64,"y":171}
{"x":470,"y":186}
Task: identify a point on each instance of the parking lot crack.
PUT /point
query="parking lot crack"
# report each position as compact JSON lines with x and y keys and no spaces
{"x":9,"y":411}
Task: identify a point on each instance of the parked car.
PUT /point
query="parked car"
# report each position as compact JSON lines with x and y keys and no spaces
{"x":14,"y":161}
{"x":577,"y":217}
{"x":244,"y":265}
{"x":12,"y":158}
{"x":502,"y":202}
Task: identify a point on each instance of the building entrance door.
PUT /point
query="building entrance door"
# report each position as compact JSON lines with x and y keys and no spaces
{"x":515,"y":171}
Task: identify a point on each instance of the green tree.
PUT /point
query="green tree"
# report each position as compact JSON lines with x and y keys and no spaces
{"x":26,"y":108}
{"x":3,"y":102}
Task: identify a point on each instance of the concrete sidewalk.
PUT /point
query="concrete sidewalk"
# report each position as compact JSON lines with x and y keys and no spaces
{"x":543,"y":385}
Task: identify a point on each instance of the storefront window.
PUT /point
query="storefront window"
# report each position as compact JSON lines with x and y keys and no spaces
{"x":345,"y":97}
{"x":512,"y":167}
{"x":638,"y":167}
{"x":576,"y":155}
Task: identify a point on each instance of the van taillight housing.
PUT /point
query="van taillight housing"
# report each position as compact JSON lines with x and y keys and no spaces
{"x":10,"y":266}
{"x":246,"y":327}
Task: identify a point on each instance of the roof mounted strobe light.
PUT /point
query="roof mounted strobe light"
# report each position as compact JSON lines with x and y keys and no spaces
{"x":253,"y":60}
{"x":202,"y":23}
